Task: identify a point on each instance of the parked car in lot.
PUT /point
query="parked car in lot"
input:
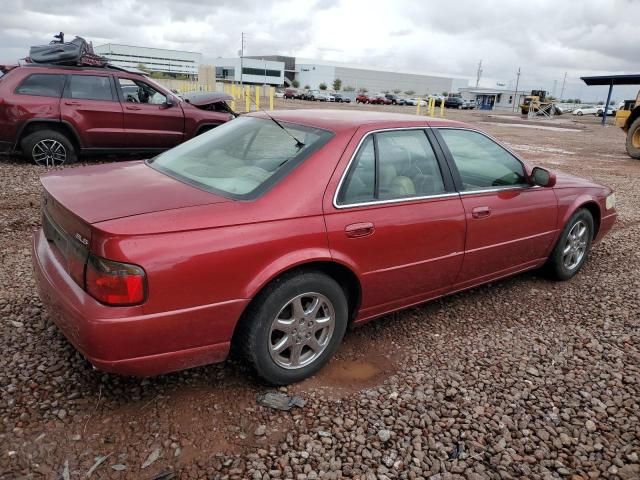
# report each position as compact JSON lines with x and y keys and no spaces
{"x":362,"y":98}
{"x":611,"y":111}
{"x":394,"y":99}
{"x":291,"y":93}
{"x":54,"y":114}
{"x":342,"y":98}
{"x":156,"y":266}
{"x":379,"y":99}
{"x":312,"y":95}
{"x":587,"y":110}
{"x":325,"y":97}
{"x":415,"y":101}
{"x":279,"y":94}
{"x":454,"y":102}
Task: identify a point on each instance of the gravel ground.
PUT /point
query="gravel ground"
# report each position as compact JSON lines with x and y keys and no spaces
{"x":524,"y":378}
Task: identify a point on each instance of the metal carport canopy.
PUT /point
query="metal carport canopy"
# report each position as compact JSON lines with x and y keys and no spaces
{"x":611,"y":80}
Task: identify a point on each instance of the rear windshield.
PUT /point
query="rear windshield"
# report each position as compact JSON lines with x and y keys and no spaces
{"x":242,"y":158}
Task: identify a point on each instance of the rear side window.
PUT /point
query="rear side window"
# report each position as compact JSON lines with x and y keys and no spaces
{"x":42,"y":84}
{"x":89,"y":87}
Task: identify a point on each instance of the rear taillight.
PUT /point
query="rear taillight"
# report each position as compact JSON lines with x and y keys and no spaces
{"x":115,"y":283}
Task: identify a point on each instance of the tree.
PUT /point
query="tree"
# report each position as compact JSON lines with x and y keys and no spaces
{"x":445,"y":94}
{"x":337,"y":83}
{"x":322,"y":86}
{"x":397,"y":91}
{"x":307,"y":87}
{"x":349,"y":88}
{"x":409,"y":92}
{"x":363,"y":90}
{"x":143,"y":67}
{"x":295,"y":84}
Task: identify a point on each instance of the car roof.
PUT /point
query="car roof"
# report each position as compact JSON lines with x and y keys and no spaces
{"x":341,"y":120}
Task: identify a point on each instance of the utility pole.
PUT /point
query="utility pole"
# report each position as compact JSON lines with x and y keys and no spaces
{"x":479,"y":73}
{"x":564,"y":80}
{"x":515,"y":95}
{"x":241,"y":58}
{"x":555,"y":84}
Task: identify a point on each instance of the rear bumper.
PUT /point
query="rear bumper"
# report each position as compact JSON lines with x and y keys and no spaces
{"x":124,"y":340}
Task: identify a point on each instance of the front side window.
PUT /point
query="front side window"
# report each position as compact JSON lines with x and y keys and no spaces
{"x":392,"y":165}
{"x":89,"y":87}
{"x":135,"y":91}
{"x":481,"y":162}
{"x":42,"y":85}
{"x":241,"y":158}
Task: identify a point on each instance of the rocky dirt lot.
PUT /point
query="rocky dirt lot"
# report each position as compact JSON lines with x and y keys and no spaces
{"x":524,"y":378}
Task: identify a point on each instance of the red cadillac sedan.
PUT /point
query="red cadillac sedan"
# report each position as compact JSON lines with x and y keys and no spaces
{"x":273,"y":234}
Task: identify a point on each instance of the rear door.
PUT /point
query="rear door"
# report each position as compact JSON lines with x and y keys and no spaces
{"x":395,"y":218}
{"x":149,"y":121}
{"x":90,"y":104}
{"x":510,"y":224}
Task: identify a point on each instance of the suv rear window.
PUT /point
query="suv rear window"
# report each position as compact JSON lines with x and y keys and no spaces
{"x":89,"y":87}
{"x":42,"y":84}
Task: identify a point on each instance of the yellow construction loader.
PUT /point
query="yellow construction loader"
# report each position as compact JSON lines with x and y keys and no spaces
{"x":628,"y":118}
{"x":537,"y":103}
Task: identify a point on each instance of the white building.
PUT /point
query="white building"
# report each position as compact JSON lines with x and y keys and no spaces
{"x":374,"y":79}
{"x":494,"y":98}
{"x":254,"y":71}
{"x":153,"y":59}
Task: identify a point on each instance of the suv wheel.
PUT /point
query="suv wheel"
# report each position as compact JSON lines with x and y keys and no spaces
{"x":48,"y":148}
{"x":573,"y":247}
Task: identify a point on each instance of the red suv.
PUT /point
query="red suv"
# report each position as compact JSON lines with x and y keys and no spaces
{"x":53,"y":113}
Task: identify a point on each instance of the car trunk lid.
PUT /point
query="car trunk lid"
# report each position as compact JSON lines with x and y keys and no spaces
{"x":109,"y":191}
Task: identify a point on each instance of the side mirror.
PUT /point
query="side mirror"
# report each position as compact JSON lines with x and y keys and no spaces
{"x":542,"y":177}
{"x":169,"y":102}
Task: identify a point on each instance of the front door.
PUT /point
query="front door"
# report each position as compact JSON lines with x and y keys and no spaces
{"x":510,"y":224}
{"x":90,"y":104}
{"x":149,"y":122}
{"x":396,"y":219}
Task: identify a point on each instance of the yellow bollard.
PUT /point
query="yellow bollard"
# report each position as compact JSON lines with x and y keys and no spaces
{"x":257,"y":97}
{"x":247,"y":98}
{"x":417,"y":106}
{"x":272,"y":91}
{"x":442,"y":108}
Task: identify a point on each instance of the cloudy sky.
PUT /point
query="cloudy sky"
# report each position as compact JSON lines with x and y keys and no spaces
{"x":545,"y":38}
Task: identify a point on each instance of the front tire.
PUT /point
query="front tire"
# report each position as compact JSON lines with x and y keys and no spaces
{"x":293,"y":327}
{"x":633,"y":139}
{"x":48,"y":148}
{"x":572,"y":249}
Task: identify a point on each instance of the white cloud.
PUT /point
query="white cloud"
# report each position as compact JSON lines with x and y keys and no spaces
{"x":545,"y":38}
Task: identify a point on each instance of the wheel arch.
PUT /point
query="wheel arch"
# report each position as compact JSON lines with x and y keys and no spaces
{"x":342,"y":274}
{"x":594,"y":209}
{"x":34,"y":124}
{"x":635,"y":114}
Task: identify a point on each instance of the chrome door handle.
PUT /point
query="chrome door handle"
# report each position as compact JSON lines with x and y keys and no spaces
{"x":130,"y":107}
{"x":356,"y":230}
{"x":480,"y":212}
{"x":75,"y":104}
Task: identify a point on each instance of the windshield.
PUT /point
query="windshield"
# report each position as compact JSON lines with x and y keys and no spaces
{"x":242,"y":158}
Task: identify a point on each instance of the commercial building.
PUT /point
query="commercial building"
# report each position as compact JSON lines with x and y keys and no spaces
{"x":493,"y":98}
{"x":313,"y":73}
{"x":254,"y":71}
{"x":172,"y":62}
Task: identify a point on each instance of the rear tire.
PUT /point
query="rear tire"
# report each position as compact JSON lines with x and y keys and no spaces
{"x":633,"y":139}
{"x":48,"y":148}
{"x":293,"y":327}
{"x":572,"y":249}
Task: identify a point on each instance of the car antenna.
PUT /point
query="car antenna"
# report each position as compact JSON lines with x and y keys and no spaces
{"x":299,"y":143}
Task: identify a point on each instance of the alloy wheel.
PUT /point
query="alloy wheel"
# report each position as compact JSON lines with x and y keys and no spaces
{"x":49,"y":153}
{"x":301,"y":330}
{"x":575,"y":245}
